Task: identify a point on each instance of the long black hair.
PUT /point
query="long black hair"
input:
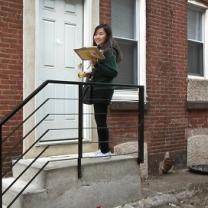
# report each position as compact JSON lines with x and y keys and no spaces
{"x":110,"y":42}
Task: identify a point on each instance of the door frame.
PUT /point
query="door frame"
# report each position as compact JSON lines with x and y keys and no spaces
{"x":30,"y":55}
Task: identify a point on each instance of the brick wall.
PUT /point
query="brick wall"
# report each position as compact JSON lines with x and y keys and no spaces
{"x":167,"y":117}
{"x":204,"y":2}
{"x":105,"y":11}
{"x":10,"y":69}
{"x":166,"y":80}
{"x":123,"y":127}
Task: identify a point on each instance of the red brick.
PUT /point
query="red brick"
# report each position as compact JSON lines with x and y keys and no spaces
{"x":166,"y":72}
{"x":11,"y":31}
{"x":167,"y":117}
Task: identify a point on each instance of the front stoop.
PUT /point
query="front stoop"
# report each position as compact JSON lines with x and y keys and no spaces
{"x":16,"y":188}
{"x":105,"y":181}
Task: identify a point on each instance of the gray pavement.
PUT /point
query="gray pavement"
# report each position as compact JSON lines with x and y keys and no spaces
{"x":179,"y":189}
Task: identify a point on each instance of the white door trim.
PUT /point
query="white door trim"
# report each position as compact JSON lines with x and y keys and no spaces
{"x":30,"y":53}
{"x":91,"y":20}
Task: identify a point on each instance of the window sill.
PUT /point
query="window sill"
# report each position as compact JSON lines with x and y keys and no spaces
{"x":197,"y":96}
{"x":197,"y":105}
{"x":126,"y":106}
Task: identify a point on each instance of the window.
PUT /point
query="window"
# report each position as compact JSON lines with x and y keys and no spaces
{"x":197,"y":39}
{"x":124,"y":26}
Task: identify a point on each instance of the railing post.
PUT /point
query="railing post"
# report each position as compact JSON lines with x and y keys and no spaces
{"x":80,"y":132}
{"x":1,"y":164}
{"x":141,"y":125}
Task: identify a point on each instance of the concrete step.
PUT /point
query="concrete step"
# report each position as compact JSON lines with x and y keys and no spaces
{"x":54,"y":163}
{"x":31,"y":191}
{"x":105,"y":181}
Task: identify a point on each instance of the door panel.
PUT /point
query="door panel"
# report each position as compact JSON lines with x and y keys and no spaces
{"x":70,"y":32}
{"x":48,"y":43}
{"x":60,"y":31}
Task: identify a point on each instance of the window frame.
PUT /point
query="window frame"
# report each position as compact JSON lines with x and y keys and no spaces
{"x":140,"y":38}
{"x":204,"y":8}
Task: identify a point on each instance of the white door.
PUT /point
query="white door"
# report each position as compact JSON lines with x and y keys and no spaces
{"x":60,"y":31}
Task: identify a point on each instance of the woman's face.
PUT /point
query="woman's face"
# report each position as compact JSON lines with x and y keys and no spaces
{"x":100,"y":36}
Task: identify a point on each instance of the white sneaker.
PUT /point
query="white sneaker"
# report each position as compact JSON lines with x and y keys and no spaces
{"x":107,"y":154}
{"x":97,"y":152}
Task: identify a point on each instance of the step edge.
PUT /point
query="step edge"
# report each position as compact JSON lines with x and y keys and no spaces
{"x":20,"y":184}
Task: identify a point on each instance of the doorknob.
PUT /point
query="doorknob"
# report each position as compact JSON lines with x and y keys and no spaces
{"x":59,"y":42}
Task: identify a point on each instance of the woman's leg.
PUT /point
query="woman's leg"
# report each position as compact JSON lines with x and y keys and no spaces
{"x":100,"y":111}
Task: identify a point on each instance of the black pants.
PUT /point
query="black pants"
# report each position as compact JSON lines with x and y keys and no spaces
{"x":100,"y":110}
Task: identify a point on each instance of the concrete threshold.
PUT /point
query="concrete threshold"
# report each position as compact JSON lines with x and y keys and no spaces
{"x":61,"y":161}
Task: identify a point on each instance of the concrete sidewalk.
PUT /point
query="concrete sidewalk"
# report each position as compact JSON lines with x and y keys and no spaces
{"x":170,"y":189}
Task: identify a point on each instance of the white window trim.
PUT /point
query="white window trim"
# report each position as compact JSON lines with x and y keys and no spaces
{"x":205,"y":31}
{"x":141,"y":39}
{"x":196,"y":3}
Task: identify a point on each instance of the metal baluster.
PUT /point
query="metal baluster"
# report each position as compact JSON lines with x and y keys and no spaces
{"x":80,"y":132}
{"x":1,"y":163}
{"x":141,"y":125}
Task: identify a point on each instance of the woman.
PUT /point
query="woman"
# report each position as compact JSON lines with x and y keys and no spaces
{"x":104,"y":71}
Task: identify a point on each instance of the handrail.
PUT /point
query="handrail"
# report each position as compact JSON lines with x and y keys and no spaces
{"x":30,"y":181}
{"x":36,"y":141}
{"x":28,"y":133}
{"x":141,"y":126}
{"x":24,"y":139}
{"x":22,"y":103}
{"x":33,"y":161}
{"x":25,"y":119}
{"x":80,"y":122}
{"x":1,"y":164}
{"x":36,"y":91}
{"x":80,"y":133}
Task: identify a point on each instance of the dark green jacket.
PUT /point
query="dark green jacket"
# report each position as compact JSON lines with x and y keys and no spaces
{"x":104,"y":72}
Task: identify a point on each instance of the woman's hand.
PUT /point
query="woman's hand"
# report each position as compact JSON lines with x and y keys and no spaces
{"x":94,"y":58}
{"x":83,"y":74}
{"x":88,"y":74}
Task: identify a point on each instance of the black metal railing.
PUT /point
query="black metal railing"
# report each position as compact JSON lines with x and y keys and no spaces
{"x":80,"y":114}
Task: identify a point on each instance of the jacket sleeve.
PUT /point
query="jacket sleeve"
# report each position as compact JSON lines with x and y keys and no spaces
{"x":108,"y":66}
